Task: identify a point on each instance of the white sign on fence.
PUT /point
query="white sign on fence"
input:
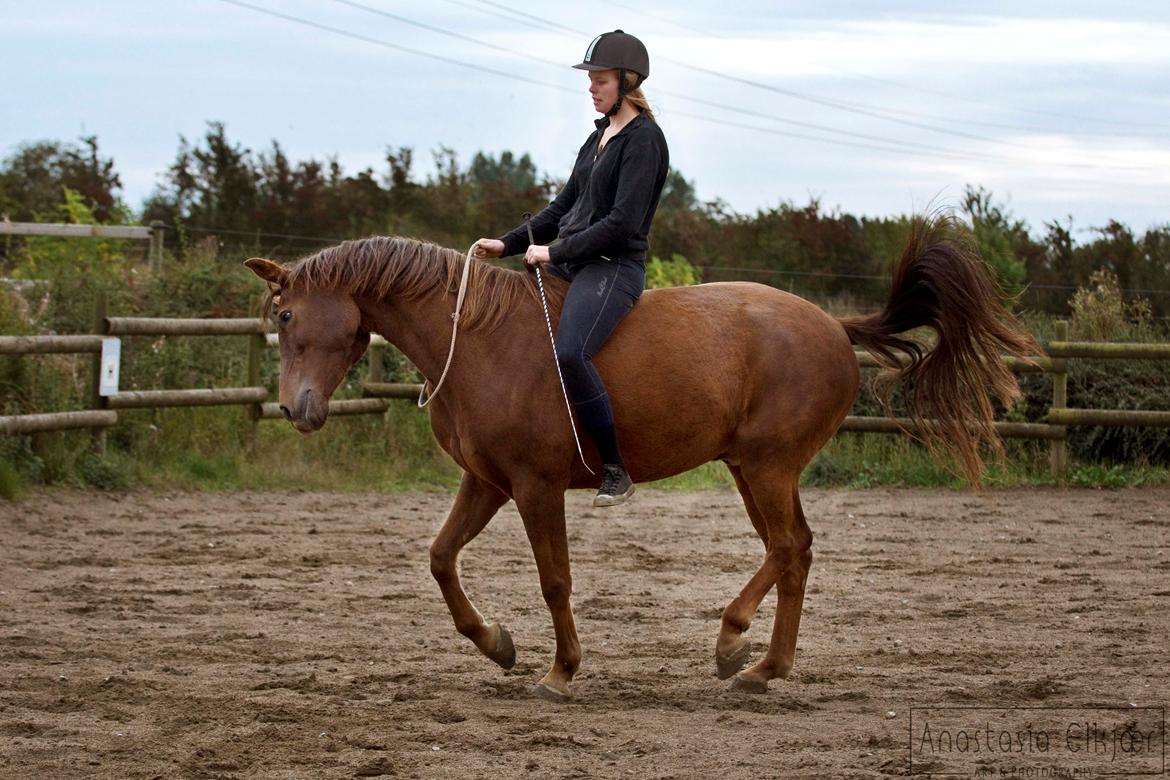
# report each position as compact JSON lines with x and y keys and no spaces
{"x":111,"y":363}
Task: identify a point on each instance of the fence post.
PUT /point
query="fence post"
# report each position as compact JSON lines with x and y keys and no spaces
{"x":377,"y":359}
{"x":256,"y":345}
{"x":157,"y":230}
{"x":1058,"y":452}
{"x":96,"y":401}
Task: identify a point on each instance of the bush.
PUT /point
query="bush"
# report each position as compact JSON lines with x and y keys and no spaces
{"x":102,"y":473}
{"x":1116,"y":384}
{"x":675,"y":272}
{"x":1099,"y":313}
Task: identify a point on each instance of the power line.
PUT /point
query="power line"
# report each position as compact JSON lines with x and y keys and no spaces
{"x":818,"y":139}
{"x":663,"y":19}
{"x":1037,"y":112}
{"x":534,"y":19}
{"x":442,"y":31}
{"x":724,"y":107}
{"x":976,"y":101}
{"x":924,"y":90}
{"x":937,"y":151}
{"x":397,"y":47}
{"x":858,"y":108}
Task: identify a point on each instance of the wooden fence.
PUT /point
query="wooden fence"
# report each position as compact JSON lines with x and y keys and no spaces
{"x":377,"y":392}
{"x":154,"y":234}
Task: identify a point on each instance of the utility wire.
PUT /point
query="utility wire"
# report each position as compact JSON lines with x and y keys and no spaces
{"x":535,"y":19}
{"x":939,"y":151}
{"x":664,"y":20}
{"x":724,"y":107}
{"x":442,"y":31}
{"x":859,"y":108}
{"x":924,"y":90}
{"x":818,"y":139}
{"x":1036,"y":112}
{"x":388,"y":45}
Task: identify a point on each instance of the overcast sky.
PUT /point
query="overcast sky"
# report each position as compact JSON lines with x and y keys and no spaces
{"x":1059,"y":108}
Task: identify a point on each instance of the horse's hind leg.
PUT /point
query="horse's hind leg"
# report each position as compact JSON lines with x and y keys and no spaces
{"x":788,"y":557}
{"x":475,"y":505}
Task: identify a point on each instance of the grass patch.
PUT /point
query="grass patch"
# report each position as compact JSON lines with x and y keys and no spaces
{"x":11,"y":482}
{"x":709,"y":476}
{"x":207,"y":449}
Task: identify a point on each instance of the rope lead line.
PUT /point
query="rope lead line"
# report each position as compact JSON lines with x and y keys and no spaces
{"x":552,"y":340}
{"x":422,"y":391}
{"x":424,"y":399}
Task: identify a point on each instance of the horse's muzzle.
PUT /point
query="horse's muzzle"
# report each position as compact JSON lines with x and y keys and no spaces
{"x":308,"y":413}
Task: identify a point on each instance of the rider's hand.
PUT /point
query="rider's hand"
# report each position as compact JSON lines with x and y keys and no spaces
{"x":536,"y":254}
{"x":489,"y":247}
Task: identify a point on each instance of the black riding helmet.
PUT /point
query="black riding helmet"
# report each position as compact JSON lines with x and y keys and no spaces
{"x":621,"y":51}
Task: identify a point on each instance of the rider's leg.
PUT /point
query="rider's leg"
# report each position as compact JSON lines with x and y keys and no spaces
{"x":602,"y":293}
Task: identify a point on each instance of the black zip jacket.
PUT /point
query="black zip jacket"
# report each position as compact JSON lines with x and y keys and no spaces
{"x":609,"y":202}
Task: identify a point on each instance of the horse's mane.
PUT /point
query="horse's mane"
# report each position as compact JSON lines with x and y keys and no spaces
{"x":382,"y":266}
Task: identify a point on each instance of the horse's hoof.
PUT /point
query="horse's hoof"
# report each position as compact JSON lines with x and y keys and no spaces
{"x":505,"y":652}
{"x":747,"y":685}
{"x":549,"y":693}
{"x":727,"y":665}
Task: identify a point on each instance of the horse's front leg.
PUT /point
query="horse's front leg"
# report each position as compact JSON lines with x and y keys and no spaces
{"x":475,"y":505}
{"x":542,"y":507}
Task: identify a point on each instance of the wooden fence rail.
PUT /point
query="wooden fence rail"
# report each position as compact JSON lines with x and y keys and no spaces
{"x":57,"y":421}
{"x":26,"y":345}
{"x":223,"y":396}
{"x":170,"y":326}
{"x":154,"y":233}
{"x":376,"y":392}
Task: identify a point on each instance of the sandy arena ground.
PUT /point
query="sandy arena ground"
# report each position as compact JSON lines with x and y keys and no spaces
{"x":300,"y":635}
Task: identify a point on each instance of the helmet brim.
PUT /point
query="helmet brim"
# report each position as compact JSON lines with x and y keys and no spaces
{"x":594,"y":67}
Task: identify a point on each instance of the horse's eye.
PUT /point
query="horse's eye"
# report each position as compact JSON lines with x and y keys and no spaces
{"x":285,"y":316}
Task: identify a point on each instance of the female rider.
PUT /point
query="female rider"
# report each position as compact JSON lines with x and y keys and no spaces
{"x":602,"y":217}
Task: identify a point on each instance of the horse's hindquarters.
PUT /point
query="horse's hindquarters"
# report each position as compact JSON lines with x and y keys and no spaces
{"x":725,"y":371}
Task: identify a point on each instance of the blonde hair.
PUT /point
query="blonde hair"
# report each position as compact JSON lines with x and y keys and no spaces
{"x":636,"y":97}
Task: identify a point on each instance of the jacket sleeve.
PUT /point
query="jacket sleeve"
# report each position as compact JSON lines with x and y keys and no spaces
{"x":545,"y":225}
{"x":637,"y":174}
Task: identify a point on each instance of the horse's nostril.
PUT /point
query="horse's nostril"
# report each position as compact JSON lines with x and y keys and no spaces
{"x":287,"y":414}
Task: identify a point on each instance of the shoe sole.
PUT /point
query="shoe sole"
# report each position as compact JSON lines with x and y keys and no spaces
{"x":613,"y":500}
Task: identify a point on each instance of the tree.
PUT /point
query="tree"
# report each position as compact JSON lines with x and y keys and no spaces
{"x":33,"y":180}
{"x":998,"y":237}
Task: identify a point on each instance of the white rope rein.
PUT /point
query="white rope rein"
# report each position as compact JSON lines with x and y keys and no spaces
{"x":422,"y":402}
{"x":424,"y":399}
{"x":552,"y":340}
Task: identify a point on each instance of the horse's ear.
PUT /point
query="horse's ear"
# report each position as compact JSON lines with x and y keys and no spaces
{"x":267,"y":270}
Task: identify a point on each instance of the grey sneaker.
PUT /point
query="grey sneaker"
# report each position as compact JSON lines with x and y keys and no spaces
{"x":616,"y":486}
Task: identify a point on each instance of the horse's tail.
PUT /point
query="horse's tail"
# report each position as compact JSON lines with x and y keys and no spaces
{"x":942,"y":283}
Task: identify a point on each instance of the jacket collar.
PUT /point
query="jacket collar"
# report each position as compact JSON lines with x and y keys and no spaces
{"x":603,"y":123}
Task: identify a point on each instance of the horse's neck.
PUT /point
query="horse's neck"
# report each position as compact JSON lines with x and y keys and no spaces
{"x":416,"y":327}
{"x":421,"y":329}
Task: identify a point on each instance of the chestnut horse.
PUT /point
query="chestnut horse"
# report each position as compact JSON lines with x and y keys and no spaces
{"x":739,"y":372}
